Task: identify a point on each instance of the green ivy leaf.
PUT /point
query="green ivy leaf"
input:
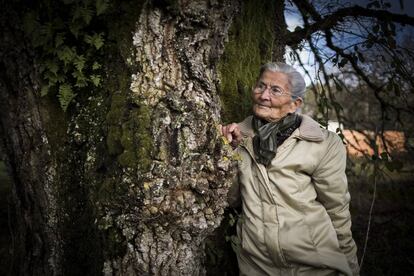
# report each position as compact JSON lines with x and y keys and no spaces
{"x":65,"y":96}
{"x":96,"y":80}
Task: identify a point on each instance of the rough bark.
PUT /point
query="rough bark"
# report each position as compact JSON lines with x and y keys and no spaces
{"x":184,"y":191}
{"x":125,"y":184}
{"x":28,"y":152}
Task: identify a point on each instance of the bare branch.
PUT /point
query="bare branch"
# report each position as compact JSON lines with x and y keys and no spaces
{"x":330,"y":21}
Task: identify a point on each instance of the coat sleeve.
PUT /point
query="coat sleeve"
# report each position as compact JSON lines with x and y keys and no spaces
{"x":332,"y":191}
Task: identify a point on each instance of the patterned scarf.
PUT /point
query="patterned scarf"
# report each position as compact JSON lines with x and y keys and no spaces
{"x":271,"y":135}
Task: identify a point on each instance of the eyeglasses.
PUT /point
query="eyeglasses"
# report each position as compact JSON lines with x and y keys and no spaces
{"x":275,"y":90}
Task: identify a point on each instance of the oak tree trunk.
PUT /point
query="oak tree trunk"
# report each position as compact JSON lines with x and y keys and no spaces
{"x":133,"y":177}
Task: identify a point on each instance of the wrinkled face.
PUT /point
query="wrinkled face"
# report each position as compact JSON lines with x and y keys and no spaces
{"x":272,"y":98}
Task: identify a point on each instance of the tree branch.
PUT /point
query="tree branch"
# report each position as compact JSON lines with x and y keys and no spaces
{"x":329,"y":21}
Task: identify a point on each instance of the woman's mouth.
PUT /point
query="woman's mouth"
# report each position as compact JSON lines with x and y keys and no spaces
{"x":262,"y":106}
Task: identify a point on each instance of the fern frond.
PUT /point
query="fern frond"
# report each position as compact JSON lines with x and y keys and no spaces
{"x":79,"y":62}
{"x":65,"y":96}
{"x":66,"y":54}
{"x":44,"y":90}
{"x":52,"y":66}
{"x":81,"y":80}
{"x":96,"y":65}
{"x":87,"y":14}
{"x":59,"y":39}
{"x":101,"y":6}
{"x":96,"y":80}
{"x":96,"y":40}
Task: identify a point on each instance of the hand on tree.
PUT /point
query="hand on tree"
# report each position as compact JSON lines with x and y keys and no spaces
{"x":232,"y":134}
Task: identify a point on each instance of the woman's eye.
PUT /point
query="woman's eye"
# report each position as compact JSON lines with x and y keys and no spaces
{"x":276,"y":90}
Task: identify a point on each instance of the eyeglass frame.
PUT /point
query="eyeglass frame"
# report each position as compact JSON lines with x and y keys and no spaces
{"x":258,"y":90}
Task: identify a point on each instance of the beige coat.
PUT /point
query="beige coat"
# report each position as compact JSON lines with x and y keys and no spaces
{"x":296,"y":218}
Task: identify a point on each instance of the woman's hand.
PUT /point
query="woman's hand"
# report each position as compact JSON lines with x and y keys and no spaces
{"x":232,"y":134}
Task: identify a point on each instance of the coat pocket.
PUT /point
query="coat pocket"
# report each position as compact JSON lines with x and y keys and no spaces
{"x":271,"y":235}
{"x":296,"y":238}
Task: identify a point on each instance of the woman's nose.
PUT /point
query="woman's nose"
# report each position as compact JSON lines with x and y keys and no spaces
{"x":266,"y":95}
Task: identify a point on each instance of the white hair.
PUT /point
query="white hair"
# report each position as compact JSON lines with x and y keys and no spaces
{"x":296,"y":81}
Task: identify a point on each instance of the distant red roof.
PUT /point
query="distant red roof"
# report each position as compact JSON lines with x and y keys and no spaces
{"x":358,"y":143}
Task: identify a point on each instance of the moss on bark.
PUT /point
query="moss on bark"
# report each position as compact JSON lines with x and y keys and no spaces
{"x":129,"y":137}
{"x":248,"y":47}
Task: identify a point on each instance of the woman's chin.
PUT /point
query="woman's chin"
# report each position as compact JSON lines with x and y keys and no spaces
{"x":262,"y":112}
{"x":266,"y":113}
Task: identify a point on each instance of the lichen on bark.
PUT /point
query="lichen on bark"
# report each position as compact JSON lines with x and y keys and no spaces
{"x":175,"y":204}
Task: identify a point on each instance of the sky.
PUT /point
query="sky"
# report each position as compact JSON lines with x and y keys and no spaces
{"x":293,"y":20}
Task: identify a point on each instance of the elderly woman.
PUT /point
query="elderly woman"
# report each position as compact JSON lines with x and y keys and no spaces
{"x":292,"y":185}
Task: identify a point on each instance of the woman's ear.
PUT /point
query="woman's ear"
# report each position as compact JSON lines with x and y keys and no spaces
{"x":297,"y":103}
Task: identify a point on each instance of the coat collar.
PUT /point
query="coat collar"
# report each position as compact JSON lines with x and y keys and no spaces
{"x":309,"y":129}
